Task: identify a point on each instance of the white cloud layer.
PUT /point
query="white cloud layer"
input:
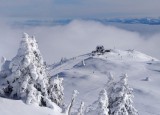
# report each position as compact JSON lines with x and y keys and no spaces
{"x":76,"y":38}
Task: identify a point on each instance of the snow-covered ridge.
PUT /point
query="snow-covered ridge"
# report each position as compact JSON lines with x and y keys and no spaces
{"x":88,"y":74}
{"x":112,"y":55}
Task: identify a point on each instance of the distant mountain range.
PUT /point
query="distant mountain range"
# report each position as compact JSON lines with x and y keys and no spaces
{"x":147,"y":21}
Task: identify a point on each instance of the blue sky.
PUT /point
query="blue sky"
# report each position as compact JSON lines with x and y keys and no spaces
{"x":79,"y":8}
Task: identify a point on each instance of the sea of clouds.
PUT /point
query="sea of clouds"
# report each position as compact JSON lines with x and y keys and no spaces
{"x":76,"y":38}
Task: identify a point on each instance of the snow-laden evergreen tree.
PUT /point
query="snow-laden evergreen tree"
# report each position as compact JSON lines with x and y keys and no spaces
{"x":147,"y":79}
{"x":74,"y":95}
{"x":122,"y":99}
{"x":3,"y":59}
{"x":83,"y":62}
{"x":110,"y":86}
{"x":4,"y":70}
{"x":80,"y":110}
{"x":63,"y":60}
{"x":99,"y":107}
{"x":56,"y":91}
{"x":110,"y":83}
{"x":28,"y":80}
{"x":103,"y":103}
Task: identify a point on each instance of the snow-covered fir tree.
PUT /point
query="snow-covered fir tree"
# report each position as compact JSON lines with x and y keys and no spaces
{"x":110,"y":83}
{"x":28,"y":80}
{"x":56,"y":90}
{"x":99,"y":107}
{"x":4,"y":70}
{"x":147,"y":79}
{"x":63,"y":60}
{"x":81,"y":108}
{"x":3,"y":59}
{"x":121,"y":99}
{"x":83,"y":62}
{"x":70,"y":106}
{"x":102,"y":108}
{"x":110,"y":86}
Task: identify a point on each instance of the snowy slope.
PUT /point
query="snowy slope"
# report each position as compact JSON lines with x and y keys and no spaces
{"x":17,"y":107}
{"x":90,"y":76}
